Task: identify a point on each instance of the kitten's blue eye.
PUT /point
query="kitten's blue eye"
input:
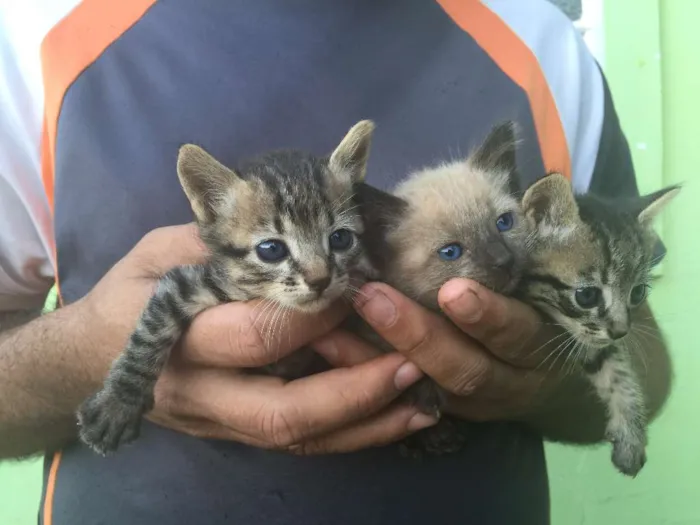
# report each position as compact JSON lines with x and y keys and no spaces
{"x":450,"y":252}
{"x":588,"y":297}
{"x":504,"y":222}
{"x":271,"y":251}
{"x":638,"y":294}
{"x":340,"y":240}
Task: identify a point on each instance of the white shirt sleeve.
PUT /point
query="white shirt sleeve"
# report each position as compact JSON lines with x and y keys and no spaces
{"x":572,"y":74}
{"x":26,"y":230}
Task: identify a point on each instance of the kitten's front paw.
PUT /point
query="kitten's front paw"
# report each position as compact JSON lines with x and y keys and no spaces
{"x":629,"y":456}
{"x":106,"y":422}
{"x":426,"y":396}
{"x":443,"y":438}
{"x":628,"y":447}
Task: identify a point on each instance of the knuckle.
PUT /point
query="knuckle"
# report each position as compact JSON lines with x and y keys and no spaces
{"x":421,"y":339}
{"x":472,"y":376}
{"x":278,"y":430}
{"x":358,"y":400}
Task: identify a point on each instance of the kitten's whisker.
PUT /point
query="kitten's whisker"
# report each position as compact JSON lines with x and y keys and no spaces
{"x":569,"y":350}
{"x":639,"y":350}
{"x":578,"y":351}
{"x":260,"y":307}
{"x":553,"y":353}
{"x":536,"y":350}
{"x":561,"y":354}
{"x":647,"y":332}
{"x":265,"y":314}
{"x":270,"y":312}
{"x":274,"y":332}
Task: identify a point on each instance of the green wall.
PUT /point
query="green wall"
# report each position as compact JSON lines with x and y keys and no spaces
{"x":653,"y":71}
{"x":652,"y":66}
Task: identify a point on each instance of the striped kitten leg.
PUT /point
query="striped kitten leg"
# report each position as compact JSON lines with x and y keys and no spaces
{"x":616,"y":383}
{"x":112,"y":416}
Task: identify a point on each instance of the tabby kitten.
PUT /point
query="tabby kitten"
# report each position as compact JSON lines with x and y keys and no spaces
{"x":457,"y":219}
{"x":283,"y":228}
{"x":590,"y":268}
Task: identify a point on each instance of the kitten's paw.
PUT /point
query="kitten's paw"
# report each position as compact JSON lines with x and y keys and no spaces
{"x":443,"y":438}
{"x":628,"y":447}
{"x":106,"y":422}
{"x":426,"y":396}
{"x":629,"y":456}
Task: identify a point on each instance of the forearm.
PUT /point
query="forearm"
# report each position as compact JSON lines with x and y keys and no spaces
{"x":11,"y":320}
{"x":576,"y":416}
{"x":45,"y":372}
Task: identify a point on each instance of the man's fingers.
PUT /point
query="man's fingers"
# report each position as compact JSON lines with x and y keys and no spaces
{"x":457,"y":363}
{"x":164,"y":248}
{"x":503,"y":325}
{"x":384,"y":428}
{"x":389,"y":426}
{"x":255,"y":333}
{"x":341,"y":348}
{"x":285,"y":414}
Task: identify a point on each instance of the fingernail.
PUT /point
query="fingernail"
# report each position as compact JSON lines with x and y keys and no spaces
{"x":406,"y":375}
{"x":467,"y":306}
{"x":420,"y":421}
{"x":377,"y":309}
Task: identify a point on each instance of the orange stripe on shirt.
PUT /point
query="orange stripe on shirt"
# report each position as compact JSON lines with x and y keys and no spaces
{"x":51,"y":488}
{"x":518,"y":62}
{"x":68,"y":49}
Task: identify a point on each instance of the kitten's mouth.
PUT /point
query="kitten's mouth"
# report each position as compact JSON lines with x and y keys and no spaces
{"x":315,"y":303}
{"x":598,"y":342}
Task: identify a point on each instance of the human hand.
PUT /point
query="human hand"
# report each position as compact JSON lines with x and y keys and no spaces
{"x":493,"y":358}
{"x":205,"y":390}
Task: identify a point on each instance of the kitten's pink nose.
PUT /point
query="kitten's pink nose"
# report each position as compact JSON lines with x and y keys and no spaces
{"x":318,"y":284}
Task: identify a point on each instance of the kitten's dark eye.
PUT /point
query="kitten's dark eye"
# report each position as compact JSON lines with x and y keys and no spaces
{"x":450,"y":252}
{"x":588,"y":297}
{"x":340,"y":240}
{"x":638,"y":294}
{"x":271,"y":251}
{"x":504,"y":222}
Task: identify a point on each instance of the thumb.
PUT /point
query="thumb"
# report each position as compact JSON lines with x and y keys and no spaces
{"x":164,"y":248}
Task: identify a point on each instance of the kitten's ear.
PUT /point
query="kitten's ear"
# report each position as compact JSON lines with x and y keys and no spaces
{"x":350,"y":157}
{"x":205,"y":180}
{"x":377,"y":207}
{"x":551,"y":200}
{"x":497,"y":153}
{"x":651,"y":205}
{"x":380,"y":212}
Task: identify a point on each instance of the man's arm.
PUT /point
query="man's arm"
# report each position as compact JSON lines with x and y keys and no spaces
{"x":50,"y":365}
{"x":46,"y":369}
{"x":10,"y":320}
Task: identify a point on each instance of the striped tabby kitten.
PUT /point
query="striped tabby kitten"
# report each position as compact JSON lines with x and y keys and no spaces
{"x":590,"y":269}
{"x":283,"y":228}
{"x":458,"y":219}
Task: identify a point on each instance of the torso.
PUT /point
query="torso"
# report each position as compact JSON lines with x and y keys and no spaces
{"x":239,"y":78}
